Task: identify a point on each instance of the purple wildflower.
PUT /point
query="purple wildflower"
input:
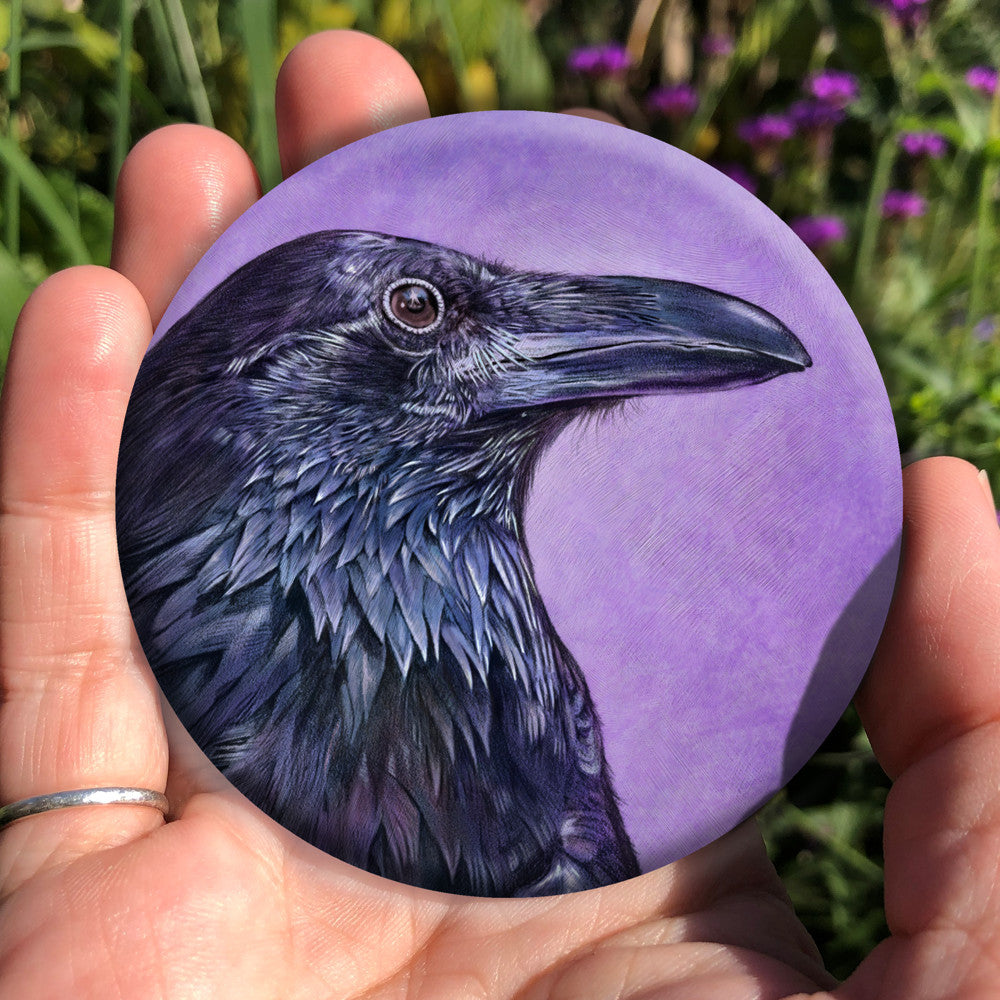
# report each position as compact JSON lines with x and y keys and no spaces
{"x":819,"y":231}
{"x":717,"y":45}
{"x":983,"y":79}
{"x":832,"y":87}
{"x":903,"y":205}
{"x":932,"y":145}
{"x":814,"y":116}
{"x":741,"y":175}
{"x":765,"y":131}
{"x":985,"y":329}
{"x":677,"y":101}
{"x":908,"y":13}
{"x":608,"y":59}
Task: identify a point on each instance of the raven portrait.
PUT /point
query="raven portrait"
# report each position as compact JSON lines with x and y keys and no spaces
{"x":321,"y":488}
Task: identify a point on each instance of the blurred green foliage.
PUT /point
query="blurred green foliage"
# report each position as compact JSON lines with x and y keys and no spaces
{"x":82,"y":80}
{"x":925,"y":289}
{"x":824,"y":835}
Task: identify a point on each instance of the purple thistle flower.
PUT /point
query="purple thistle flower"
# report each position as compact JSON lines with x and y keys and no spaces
{"x":983,"y":79}
{"x":717,"y":45}
{"x":814,"y":116}
{"x":819,"y":231}
{"x":765,"y":131}
{"x":608,"y":59}
{"x":741,"y":175}
{"x":833,"y":87}
{"x":932,"y":145}
{"x":676,"y":101}
{"x":903,"y":205}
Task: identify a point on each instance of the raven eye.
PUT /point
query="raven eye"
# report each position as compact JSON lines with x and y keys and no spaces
{"x":413,"y":304}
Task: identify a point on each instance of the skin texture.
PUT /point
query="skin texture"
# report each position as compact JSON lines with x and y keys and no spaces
{"x":218,"y":900}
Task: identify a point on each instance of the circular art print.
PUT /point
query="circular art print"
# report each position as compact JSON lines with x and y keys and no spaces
{"x":509,"y":504}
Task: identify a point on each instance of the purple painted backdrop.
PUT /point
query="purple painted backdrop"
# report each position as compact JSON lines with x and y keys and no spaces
{"x":719,"y":564}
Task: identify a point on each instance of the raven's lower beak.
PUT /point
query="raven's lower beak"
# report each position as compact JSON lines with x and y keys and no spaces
{"x":613,"y":337}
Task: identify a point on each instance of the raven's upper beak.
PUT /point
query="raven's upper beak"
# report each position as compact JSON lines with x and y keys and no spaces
{"x":623,"y":336}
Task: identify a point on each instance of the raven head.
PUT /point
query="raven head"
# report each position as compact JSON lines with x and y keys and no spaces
{"x":324,"y":466}
{"x":366,"y":347}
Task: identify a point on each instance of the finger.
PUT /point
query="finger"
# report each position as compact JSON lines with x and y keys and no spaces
{"x":936,"y":672}
{"x":339,"y":86}
{"x":191,"y":771}
{"x":597,"y":116}
{"x":931,"y":704}
{"x":179,"y":189}
{"x":79,"y":705}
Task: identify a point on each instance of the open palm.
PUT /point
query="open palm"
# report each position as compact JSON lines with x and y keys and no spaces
{"x":218,"y":900}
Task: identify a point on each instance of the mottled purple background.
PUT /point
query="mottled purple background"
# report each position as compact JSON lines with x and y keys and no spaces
{"x":719,"y":564}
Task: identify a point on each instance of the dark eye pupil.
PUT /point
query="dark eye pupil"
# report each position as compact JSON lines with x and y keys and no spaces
{"x":413,"y":305}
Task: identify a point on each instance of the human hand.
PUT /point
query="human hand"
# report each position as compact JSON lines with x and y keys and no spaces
{"x":219,"y":900}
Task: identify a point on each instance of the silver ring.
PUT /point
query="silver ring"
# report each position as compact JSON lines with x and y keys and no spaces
{"x":108,"y":796}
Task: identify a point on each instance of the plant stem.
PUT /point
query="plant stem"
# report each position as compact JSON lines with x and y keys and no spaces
{"x":453,"y":43}
{"x":123,"y":91}
{"x":848,"y":854}
{"x":984,"y":219}
{"x":49,"y":207}
{"x":258,"y":25}
{"x":188,"y":58}
{"x":944,"y":211}
{"x":12,"y":186}
{"x":881,"y":175}
{"x":764,"y":27}
{"x":646,"y":12}
{"x":167,"y":49}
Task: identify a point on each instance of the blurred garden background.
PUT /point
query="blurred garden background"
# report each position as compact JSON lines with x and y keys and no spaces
{"x":871,"y":126}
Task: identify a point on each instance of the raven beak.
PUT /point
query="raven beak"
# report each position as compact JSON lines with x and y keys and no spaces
{"x":615,"y":337}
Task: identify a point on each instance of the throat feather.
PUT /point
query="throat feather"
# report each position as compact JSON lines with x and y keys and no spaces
{"x":398,"y":588}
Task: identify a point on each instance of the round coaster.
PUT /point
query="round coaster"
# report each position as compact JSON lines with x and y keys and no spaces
{"x":509,"y":503}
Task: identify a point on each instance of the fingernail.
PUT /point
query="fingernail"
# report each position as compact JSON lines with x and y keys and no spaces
{"x":984,"y":481}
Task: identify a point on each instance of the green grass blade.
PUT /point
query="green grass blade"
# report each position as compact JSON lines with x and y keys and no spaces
{"x":39,"y":191}
{"x":188,"y":59}
{"x":942,"y":227}
{"x":12,"y":187}
{"x":166,"y":49}
{"x":985,"y":219}
{"x":123,"y":91}
{"x":36,"y":41}
{"x":526,"y":76}
{"x":868,"y":240}
{"x":258,"y":25}
{"x":453,"y":44}
{"x":14,"y":291}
